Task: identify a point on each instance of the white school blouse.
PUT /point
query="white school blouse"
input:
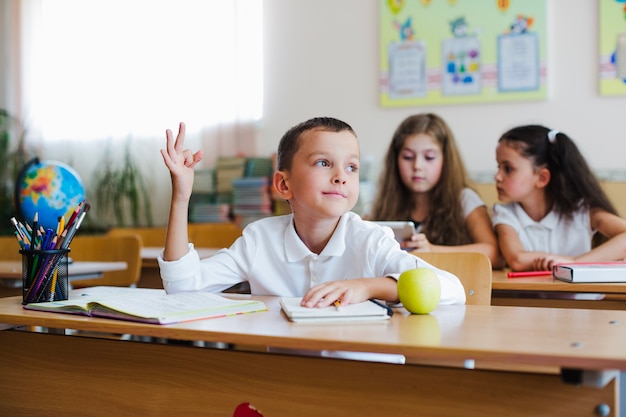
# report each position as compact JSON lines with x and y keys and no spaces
{"x":470,"y":201}
{"x":552,"y":234}
{"x":273,"y":259}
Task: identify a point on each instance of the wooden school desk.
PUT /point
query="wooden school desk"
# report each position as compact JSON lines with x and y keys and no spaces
{"x":53,"y":374}
{"x":545,"y":291}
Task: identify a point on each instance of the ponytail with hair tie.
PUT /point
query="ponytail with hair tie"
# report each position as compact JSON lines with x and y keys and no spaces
{"x":552,"y":135}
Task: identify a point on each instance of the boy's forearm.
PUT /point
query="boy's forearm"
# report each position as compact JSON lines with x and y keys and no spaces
{"x":383,"y":289}
{"x":177,"y":238}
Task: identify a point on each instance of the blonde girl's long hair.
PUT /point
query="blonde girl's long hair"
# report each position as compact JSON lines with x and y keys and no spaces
{"x":445,"y":223}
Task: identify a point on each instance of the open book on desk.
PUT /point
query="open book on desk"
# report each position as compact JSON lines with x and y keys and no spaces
{"x":368,"y":310}
{"x":590,"y":272}
{"x":147,"y":305}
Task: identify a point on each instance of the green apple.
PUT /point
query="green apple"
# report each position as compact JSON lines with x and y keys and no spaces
{"x":419,"y":290}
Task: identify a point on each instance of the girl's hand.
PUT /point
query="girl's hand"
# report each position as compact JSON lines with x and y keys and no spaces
{"x":180,"y":162}
{"x":418,"y":242}
{"x":547,"y":262}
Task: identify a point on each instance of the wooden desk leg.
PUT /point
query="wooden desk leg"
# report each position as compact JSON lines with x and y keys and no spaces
{"x":44,"y":374}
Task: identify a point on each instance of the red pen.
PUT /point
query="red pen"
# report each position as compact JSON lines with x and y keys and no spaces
{"x":522,"y":274}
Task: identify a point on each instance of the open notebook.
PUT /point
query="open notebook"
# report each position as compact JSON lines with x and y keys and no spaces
{"x":147,"y":305}
{"x":368,"y":310}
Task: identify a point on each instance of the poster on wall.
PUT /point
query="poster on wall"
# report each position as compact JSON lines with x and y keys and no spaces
{"x":612,"y":15}
{"x":518,"y":62}
{"x":461,"y":51}
{"x":461,"y":66}
{"x":407,"y":70}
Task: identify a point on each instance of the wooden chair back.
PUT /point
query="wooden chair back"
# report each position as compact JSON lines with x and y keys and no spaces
{"x":109,"y":249}
{"x":472,"y":268}
{"x":150,"y":236}
{"x":9,"y":249}
{"x":202,"y":235}
{"x":213,"y":235}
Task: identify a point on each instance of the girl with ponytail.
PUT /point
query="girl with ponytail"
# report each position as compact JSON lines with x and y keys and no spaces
{"x":554,"y":209}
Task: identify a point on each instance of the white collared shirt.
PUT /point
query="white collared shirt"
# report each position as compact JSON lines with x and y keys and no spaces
{"x":470,"y":201}
{"x":273,"y":259}
{"x":552,"y":234}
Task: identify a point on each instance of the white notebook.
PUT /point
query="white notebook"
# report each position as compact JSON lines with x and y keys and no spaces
{"x":368,"y":310}
{"x":590,"y":272}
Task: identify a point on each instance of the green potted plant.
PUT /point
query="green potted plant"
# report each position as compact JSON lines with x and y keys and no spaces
{"x":13,"y":157}
{"x":119,"y":192}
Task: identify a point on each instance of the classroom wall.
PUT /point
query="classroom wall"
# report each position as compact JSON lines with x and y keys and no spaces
{"x":321,"y":58}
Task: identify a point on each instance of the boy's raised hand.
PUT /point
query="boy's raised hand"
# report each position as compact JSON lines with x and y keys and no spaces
{"x":181,"y":163}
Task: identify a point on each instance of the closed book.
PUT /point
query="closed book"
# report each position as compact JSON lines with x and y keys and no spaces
{"x":365,"y":311}
{"x":147,"y":305}
{"x":590,"y":272}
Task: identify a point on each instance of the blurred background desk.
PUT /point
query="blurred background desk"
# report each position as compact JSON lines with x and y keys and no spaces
{"x":11,"y":273}
{"x":545,"y":291}
{"x":149,"y":255}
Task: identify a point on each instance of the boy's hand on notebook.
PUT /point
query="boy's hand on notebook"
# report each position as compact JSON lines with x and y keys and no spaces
{"x":324,"y":295}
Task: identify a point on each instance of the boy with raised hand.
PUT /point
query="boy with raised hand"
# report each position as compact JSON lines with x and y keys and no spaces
{"x":322,"y":251}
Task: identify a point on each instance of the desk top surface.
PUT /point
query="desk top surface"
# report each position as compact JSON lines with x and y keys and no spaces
{"x":588,"y":339}
{"x":13,"y":269}
{"x":546,"y":283}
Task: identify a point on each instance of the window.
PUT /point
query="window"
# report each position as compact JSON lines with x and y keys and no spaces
{"x":96,"y":78}
{"x":117,"y":68}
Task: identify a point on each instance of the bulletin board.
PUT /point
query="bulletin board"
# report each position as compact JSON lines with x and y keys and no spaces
{"x":612,"y":26}
{"x":461,"y":51}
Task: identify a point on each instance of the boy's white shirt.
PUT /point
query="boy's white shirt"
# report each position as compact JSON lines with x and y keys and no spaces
{"x":275,"y":261}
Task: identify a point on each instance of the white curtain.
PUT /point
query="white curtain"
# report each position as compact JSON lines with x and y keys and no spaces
{"x":95,"y":76}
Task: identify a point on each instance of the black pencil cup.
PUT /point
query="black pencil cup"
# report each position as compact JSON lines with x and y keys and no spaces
{"x":44,"y":275}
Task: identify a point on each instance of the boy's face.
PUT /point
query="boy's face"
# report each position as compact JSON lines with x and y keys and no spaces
{"x":324,"y":177}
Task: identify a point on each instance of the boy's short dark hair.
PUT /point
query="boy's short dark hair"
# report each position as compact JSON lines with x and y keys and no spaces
{"x":290,"y":142}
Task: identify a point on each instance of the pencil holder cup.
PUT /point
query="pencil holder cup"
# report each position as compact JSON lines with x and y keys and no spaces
{"x":44,"y":275}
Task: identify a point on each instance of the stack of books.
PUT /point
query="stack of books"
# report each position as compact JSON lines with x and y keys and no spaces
{"x":251,"y":199}
{"x":240,"y":189}
{"x":228,"y":169}
{"x":203,"y":208}
{"x":259,"y":167}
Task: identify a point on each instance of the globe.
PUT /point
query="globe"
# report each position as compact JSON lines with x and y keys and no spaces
{"x":51,"y":189}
